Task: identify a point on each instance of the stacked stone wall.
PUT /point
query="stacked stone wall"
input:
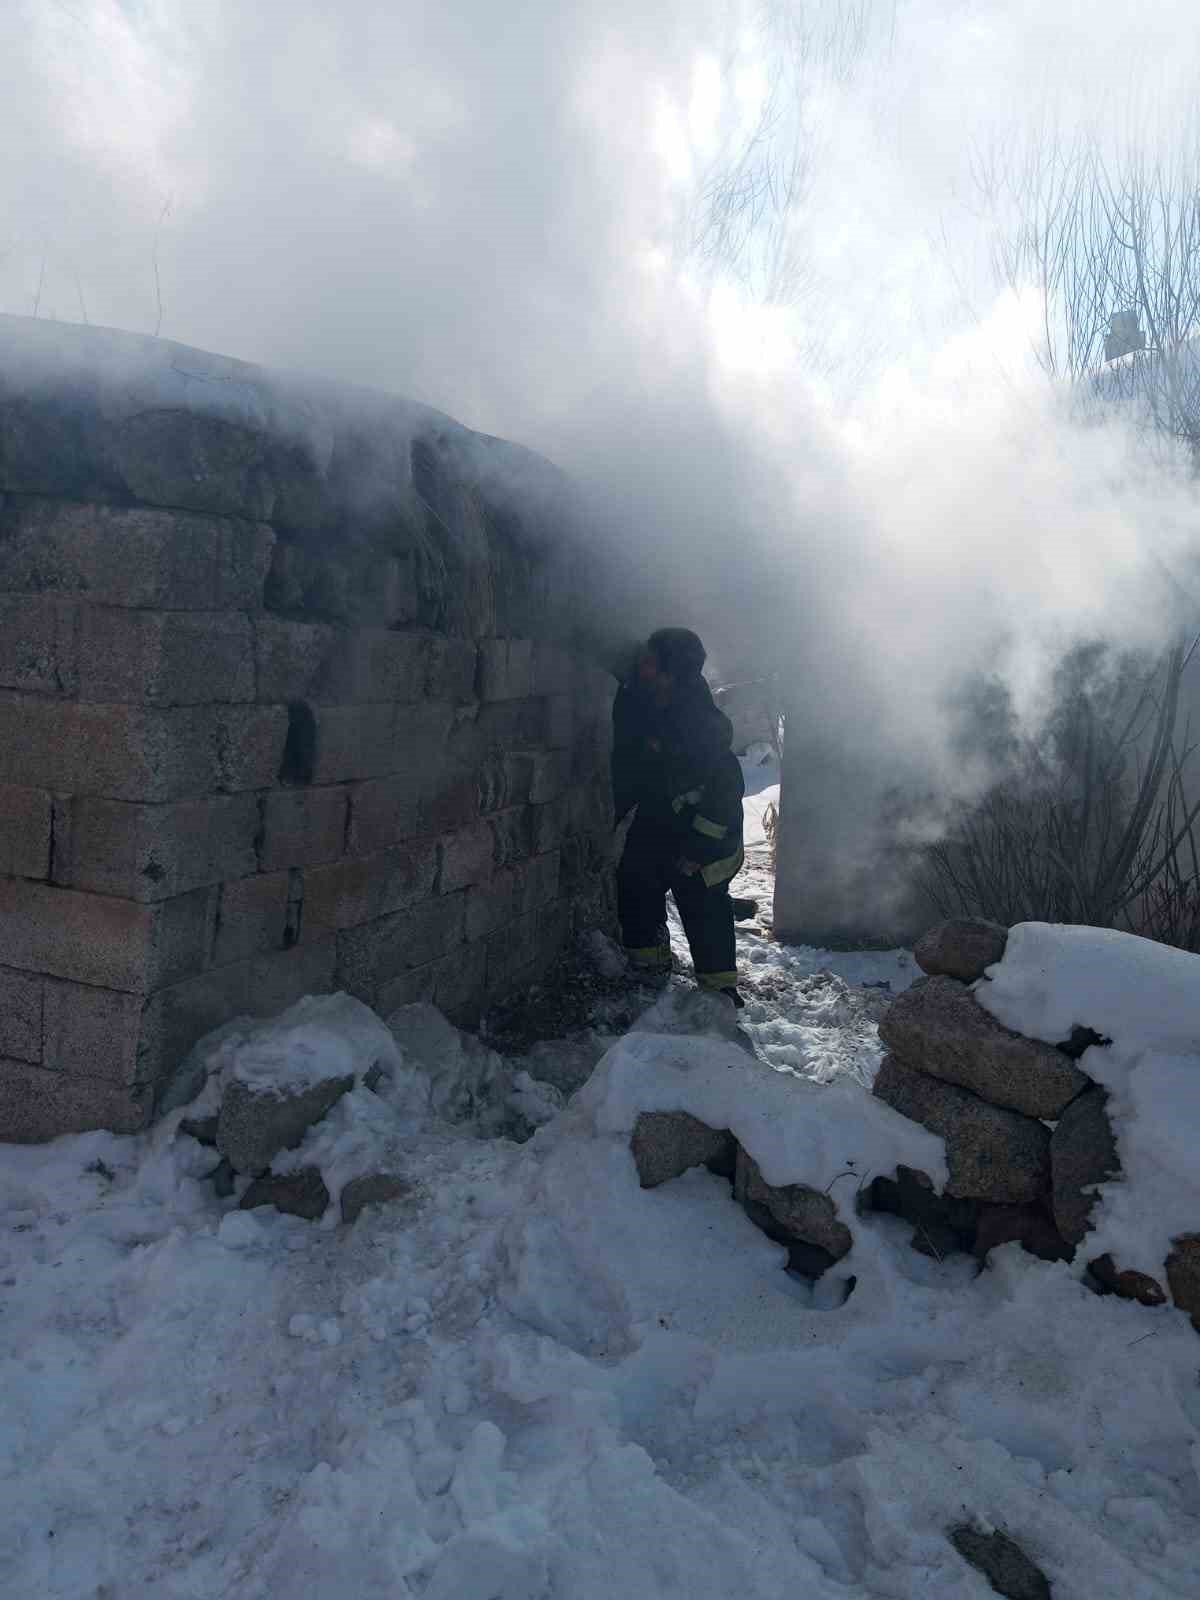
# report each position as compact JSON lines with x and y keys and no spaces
{"x":1027,"y":1133}
{"x":291,"y":700}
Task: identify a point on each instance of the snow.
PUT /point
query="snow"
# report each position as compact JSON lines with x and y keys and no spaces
{"x":808,"y":1011}
{"x":1145,"y":998}
{"x":760,"y":769}
{"x":532,"y":1380}
{"x":320,"y":1037}
{"x":1140,"y":994}
{"x":798,"y":1130}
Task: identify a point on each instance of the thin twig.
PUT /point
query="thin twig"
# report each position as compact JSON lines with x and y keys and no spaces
{"x":848,"y":1173}
{"x":921,"y":1228}
{"x":157,"y":279}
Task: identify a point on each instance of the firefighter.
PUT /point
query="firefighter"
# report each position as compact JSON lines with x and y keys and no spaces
{"x":672,"y":759}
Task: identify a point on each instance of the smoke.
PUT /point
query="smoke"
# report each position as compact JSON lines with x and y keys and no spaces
{"x":870,"y":487}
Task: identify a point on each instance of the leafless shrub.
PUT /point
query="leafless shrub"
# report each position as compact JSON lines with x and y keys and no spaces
{"x":1091,"y":820}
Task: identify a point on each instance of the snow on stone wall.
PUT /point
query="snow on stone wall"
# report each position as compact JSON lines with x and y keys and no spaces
{"x":291,"y":700}
{"x":1074,"y":1137}
{"x":1061,"y":1066}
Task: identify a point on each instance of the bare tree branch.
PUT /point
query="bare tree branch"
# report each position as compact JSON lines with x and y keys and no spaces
{"x":157,"y":279}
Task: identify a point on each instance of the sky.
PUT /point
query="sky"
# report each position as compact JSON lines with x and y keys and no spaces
{"x":495,"y":209}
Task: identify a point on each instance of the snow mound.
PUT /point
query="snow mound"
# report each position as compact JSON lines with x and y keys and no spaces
{"x":415,"y":1074}
{"x":539,"y":1381}
{"x":1139,"y":994}
{"x":322,"y":1036}
{"x":1145,"y":998}
{"x":465,"y":1081}
{"x":796,"y":1129}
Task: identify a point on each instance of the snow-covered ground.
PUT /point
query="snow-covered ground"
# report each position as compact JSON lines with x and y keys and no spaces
{"x":532,"y":1380}
{"x":806,"y":1010}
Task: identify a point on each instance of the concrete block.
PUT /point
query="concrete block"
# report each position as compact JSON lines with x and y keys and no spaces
{"x":395,"y":589}
{"x":292,"y":659}
{"x":384,"y":811}
{"x":448,"y":800}
{"x":456,"y":984}
{"x":461,"y":986}
{"x":512,"y":893}
{"x":410,"y":988}
{"x":585,"y":857}
{"x":20,"y":1015}
{"x":452,"y":668}
{"x":170,"y":455}
{"x":361,"y":889}
{"x":553,"y":932}
{"x":354,"y":742}
{"x":509,"y":724}
{"x":591,"y":752}
{"x":505,"y":779}
{"x":37,"y":644}
{"x":371,"y":956}
{"x":25,"y":832}
{"x":591,"y":906}
{"x":91,"y":938}
{"x":303,"y":827}
{"x":245,"y":560}
{"x":122,"y":752}
{"x":466,"y":858}
{"x":549,"y":823}
{"x":539,"y":880}
{"x":176,"y":1017}
{"x":593,"y":688}
{"x":328,"y":665}
{"x":490,"y":905}
{"x":92,"y":1032}
{"x":170,"y":658}
{"x":505,"y":669}
{"x":37,"y":1104}
{"x":512,"y":835}
{"x":573,"y":870}
{"x":257,"y":1121}
{"x":560,"y":721}
{"x":250,"y":743}
{"x":591,"y":806}
{"x":252,"y":917}
{"x":511,"y":950}
{"x":421,"y":734}
{"x":549,"y":776}
{"x":375,"y":664}
{"x":553,"y":670}
{"x":153,"y":852}
{"x":132,"y":556}
{"x":281,"y":978}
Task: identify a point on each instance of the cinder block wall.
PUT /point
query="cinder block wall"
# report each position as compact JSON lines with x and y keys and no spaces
{"x":291,"y":699}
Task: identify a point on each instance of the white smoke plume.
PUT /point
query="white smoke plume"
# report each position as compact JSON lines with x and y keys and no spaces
{"x":494,"y":209}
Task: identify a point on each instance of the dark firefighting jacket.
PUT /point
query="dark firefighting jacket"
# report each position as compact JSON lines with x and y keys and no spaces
{"x":676,"y":764}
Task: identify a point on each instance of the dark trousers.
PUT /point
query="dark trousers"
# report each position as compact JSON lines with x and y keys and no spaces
{"x":648,"y":870}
